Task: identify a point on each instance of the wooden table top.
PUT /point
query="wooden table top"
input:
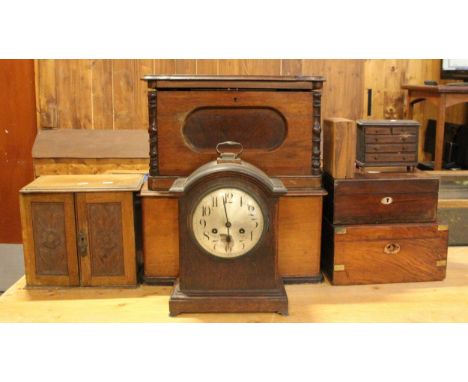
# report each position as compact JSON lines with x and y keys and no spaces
{"x":440,"y":301}
{"x":437,"y":88}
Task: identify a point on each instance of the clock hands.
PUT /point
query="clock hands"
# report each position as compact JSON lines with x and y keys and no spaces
{"x":228,"y":223}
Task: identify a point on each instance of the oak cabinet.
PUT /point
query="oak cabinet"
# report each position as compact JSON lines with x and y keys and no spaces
{"x":78,"y":236}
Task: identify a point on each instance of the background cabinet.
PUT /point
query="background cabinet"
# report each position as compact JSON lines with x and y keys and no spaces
{"x":78,"y":238}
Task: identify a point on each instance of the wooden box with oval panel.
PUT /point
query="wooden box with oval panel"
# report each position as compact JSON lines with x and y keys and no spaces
{"x":277,"y":121}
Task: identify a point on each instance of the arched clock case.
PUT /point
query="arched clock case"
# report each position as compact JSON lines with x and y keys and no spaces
{"x":228,"y":240}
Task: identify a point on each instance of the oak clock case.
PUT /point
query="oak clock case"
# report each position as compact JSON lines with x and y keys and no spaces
{"x":228,"y":252}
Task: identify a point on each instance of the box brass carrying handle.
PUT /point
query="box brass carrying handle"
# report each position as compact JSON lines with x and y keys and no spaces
{"x":82,"y":244}
{"x":392,"y":248}
{"x":386,"y":200}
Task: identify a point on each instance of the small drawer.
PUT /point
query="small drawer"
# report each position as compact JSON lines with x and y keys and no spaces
{"x":404,"y":138}
{"x":390,"y":148}
{"x":405,"y":130}
{"x":378,"y":130}
{"x":390,"y":157}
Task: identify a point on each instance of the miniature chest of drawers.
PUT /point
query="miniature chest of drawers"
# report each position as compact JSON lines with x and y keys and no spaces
{"x":387,"y":143}
{"x":78,"y":230}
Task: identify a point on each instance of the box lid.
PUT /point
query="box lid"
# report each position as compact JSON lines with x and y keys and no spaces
{"x":85,"y":183}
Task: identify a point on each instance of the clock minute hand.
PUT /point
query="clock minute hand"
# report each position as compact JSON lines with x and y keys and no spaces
{"x":228,"y":223}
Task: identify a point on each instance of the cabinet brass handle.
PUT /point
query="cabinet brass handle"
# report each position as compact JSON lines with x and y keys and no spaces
{"x":392,"y":248}
{"x":82,"y":244}
{"x":386,"y":200}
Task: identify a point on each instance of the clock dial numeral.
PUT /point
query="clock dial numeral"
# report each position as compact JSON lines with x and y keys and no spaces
{"x":227,"y":222}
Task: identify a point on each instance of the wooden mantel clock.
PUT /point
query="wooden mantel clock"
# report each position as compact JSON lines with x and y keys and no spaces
{"x":228,"y":239}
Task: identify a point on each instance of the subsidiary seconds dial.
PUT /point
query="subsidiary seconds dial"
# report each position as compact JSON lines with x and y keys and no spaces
{"x":227,"y":222}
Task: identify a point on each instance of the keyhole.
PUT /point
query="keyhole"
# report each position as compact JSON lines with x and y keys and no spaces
{"x":235,"y":99}
{"x":386,"y":200}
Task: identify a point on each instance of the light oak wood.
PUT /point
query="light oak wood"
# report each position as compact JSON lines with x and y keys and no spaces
{"x":113,"y":224}
{"x":66,"y":239}
{"x":299,"y":230}
{"x":82,"y":183}
{"x":439,"y":301}
{"x":62,"y":166}
{"x":339,"y":147}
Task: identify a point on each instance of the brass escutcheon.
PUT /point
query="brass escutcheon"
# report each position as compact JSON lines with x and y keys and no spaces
{"x":386,"y":200}
{"x":392,"y":248}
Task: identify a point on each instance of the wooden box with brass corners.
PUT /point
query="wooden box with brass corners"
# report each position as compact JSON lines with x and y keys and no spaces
{"x":375,"y":198}
{"x":78,"y":230}
{"x":384,"y":253}
{"x":275,"y":118}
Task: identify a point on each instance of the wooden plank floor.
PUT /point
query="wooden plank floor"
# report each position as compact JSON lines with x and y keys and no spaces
{"x":440,"y":301}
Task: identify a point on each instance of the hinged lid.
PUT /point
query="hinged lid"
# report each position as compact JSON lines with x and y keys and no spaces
{"x":85,"y":183}
{"x":233,"y":82}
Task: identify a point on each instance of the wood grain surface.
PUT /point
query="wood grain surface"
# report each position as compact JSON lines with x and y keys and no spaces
{"x":339,"y":147}
{"x":368,"y":254}
{"x":106,"y":221}
{"x":49,"y":239}
{"x":17,"y":133}
{"x":437,"y":301}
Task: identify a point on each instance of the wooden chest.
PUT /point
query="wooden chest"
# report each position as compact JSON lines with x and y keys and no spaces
{"x":381,"y":198}
{"x":387,"y":143}
{"x":364,"y":254}
{"x":275,"y":118}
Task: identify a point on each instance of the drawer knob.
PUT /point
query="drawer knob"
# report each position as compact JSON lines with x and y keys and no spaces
{"x":392,"y":248}
{"x":386,"y":200}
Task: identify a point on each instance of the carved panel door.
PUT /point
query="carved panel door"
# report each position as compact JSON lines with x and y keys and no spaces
{"x":49,"y":239}
{"x":105,"y":238}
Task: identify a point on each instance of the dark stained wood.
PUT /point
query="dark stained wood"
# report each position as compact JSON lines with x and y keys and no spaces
{"x":106,"y":238}
{"x":291,"y":158}
{"x":365,"y":254}
{"x":385,"y":153}
{"x":257,"y":128}
{"x":48,"y":221}
{"x":17,"y":132}
{"x":371,"y":200}
{"x":153,"y":133}
{"x":250,"y":282}
{"x":49,"y":239}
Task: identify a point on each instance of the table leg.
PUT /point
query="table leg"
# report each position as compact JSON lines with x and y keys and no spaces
{"x":439,"y":141}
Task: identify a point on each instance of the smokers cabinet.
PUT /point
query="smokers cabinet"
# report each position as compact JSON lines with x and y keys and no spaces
{"x":79,"y":230}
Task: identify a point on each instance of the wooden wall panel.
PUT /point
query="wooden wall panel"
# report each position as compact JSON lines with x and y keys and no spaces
{"x":73,"y":84}
{"x":384,"y":77}
{"x":101,"y":92}
{"x":17,"y":133}
{"x":109,"y":94}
